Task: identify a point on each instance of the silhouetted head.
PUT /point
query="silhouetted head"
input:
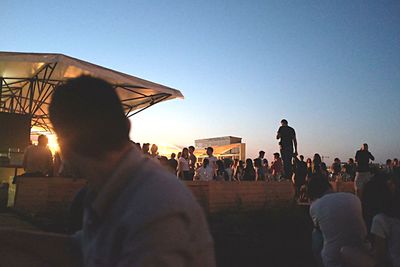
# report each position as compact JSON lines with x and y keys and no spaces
{"x":317,"y":159}
{"x":261,"y":154}
{"x":241,"y":163}
{"x":276,"y":155}
{"x":173,"y":155}
{"x":388,"y":162}
{"x":364,"y":147}
{"x":43,"y":140}
{"x":146,"y":148}
{"x":317,"y":186}
{"x":88,"y":117}
{"x":210,"y":151}
{"x":301,"y":158}
{"x":163,"y":160}
{"x":249,"y":163}
{"x":284,"y":122}
{"x":351,"y":161}
{"x":154,"y":149}
{"x":228,"y":163}
{"x":191,"y":149}
{"x":377,"y":197}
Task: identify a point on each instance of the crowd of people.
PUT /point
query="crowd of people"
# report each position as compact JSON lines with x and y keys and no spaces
{"x":361,"y":229}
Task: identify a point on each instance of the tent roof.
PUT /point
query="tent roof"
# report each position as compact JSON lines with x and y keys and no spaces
{"x":19,"y":72}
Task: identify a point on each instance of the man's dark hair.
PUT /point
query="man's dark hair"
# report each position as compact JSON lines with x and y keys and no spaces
{"x":317,"y":186}
{"x":87,"y":113}
{"x":284,"y":121}
{"x":191,"y":147}
{"x":261,"y":152}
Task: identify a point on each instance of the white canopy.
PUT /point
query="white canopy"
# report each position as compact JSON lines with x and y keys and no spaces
{"x":28,"y":80}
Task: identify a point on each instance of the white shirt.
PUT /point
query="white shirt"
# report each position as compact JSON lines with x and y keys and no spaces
{"x":389,"y":229}
{"x":38,"y":159}
{"x":213,"y":162}
{"x":205,"y":174}
{"x":183,"y":164}
{"x":339,"y":216}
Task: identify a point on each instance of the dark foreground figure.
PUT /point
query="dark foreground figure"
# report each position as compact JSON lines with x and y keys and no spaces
{"x":135,"y":213}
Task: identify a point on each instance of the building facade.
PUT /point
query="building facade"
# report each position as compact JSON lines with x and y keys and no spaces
{"x":224,"y":147}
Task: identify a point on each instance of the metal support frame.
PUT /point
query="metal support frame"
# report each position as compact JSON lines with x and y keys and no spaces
{"x":30,"y":95}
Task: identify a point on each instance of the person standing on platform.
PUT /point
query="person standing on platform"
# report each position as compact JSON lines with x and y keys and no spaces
{"x":38,"y":160}
{"x":363,"y":174}
{"x":287,"y":136}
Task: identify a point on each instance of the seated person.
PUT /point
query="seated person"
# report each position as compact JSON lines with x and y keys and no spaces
{"x":38,"y":160}
{"x":385,"y":229}
{"x":338,"y":216}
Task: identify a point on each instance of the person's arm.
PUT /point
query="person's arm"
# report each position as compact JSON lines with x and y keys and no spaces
{"x":371,"y":157}
{"x":32,"y":248}
{"x":356,"y":157}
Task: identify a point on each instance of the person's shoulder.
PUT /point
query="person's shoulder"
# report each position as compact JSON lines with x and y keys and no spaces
{"x":380,"y":225}
{"x":160,"y":191}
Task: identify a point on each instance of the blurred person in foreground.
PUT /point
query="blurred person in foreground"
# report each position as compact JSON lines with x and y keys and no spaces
{"x":136,"y":213}
{"x":381,"y":200}
{"x":338,"y":221}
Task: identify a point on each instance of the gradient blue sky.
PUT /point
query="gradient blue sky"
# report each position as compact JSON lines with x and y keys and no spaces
{"x":331,"y":68}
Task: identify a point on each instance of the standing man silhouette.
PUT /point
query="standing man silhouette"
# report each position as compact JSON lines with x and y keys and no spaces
{"x":287,"y":136}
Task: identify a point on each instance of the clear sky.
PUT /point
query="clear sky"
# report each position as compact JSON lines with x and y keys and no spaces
{"x":331,"y":68}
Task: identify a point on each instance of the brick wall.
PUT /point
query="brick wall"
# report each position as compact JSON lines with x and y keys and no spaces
{"x":53,"y":195}
{"x":218,"y":196}
{"x":35,"y":195}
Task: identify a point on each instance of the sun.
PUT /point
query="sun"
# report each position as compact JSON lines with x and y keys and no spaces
{"x":166,"y":149}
